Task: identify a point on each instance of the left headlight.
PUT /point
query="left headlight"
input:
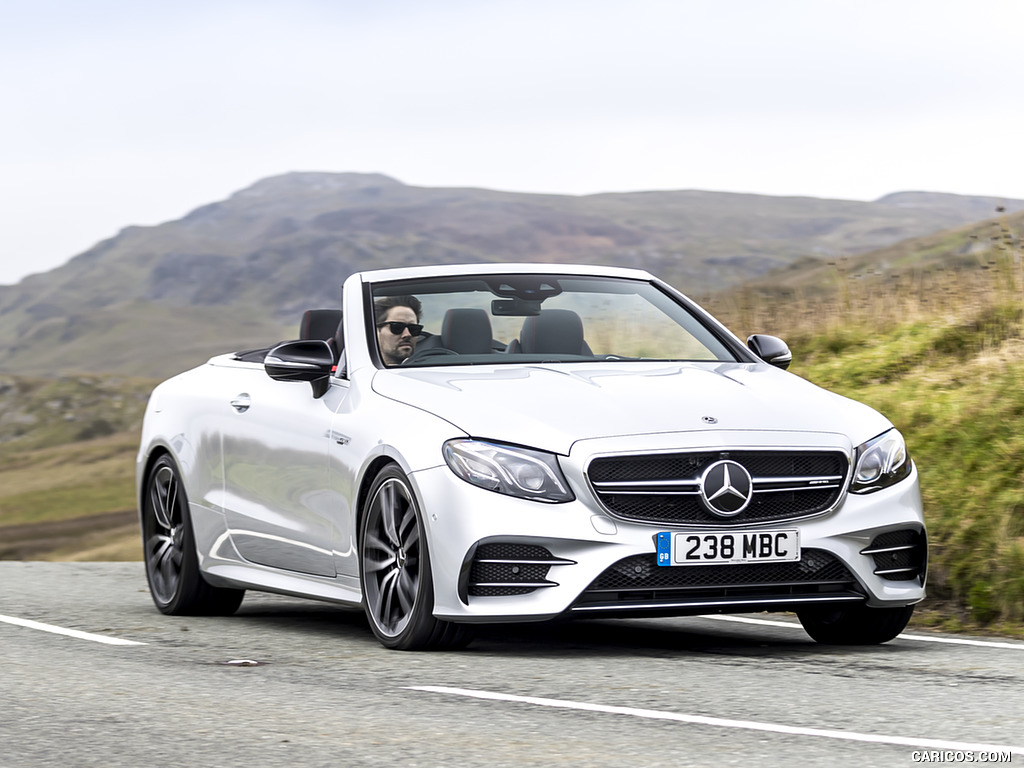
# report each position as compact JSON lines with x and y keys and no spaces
{"x":508,"y":469}
{"x":881,"y":462}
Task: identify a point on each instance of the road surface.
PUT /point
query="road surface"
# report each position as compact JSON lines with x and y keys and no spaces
{"x":93,"y":675}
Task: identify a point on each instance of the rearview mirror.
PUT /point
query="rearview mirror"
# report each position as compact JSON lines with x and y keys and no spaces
{"x":515,"y":308}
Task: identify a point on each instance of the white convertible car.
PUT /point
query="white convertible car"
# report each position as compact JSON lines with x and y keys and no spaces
{"x":511,"y":443}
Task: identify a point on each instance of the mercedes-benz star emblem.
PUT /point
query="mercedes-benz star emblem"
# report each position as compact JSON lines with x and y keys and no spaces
{"x":726,"y":488}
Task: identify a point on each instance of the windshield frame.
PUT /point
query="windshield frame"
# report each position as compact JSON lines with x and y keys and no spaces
{"x":520,"y":287}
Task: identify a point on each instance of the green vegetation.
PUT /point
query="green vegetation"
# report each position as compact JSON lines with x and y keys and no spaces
{"x":941,"y":353}
{"x":936,"y":346}
{"x":41,"y":412}
{"x":963,"y":416}
{"x":67,"y":466}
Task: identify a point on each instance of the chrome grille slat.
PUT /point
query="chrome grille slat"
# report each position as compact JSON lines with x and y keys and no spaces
{"x":646,"y":485}
{"x":523,"y":561}
{"x":795,"y":490}
{"x":529,"y":584}
{"x":626,"y":492}
{"x":881,"y":550}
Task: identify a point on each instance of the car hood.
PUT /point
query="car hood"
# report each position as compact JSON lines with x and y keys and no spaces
{"x":551,"y":407}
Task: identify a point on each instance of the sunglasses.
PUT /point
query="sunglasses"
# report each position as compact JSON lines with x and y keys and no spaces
{"x":399,"y":328}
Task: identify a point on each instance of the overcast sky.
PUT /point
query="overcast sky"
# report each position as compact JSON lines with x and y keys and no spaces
{"x":120,"y":112}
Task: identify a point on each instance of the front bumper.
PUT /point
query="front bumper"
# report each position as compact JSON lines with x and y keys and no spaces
{"x":596,"y":564}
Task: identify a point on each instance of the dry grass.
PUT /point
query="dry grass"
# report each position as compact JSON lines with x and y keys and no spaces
{"x":939,"y":351}
{"x":115,"y":545}
{"x":66,"y":481}
{"x":867,"y":296}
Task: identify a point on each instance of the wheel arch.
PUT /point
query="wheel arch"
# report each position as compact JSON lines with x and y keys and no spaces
{"x":369,"y":475}
{"x":154,"y":455}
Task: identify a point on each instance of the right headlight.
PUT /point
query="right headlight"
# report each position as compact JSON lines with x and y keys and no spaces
{"x":881,"y":462}
{"x":508,"y":469}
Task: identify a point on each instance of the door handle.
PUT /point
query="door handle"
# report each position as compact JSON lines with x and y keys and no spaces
{"x":241,"y":402}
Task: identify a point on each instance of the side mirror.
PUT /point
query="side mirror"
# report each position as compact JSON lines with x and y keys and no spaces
{"x":771,"y":349}
{"x":306,"y":360}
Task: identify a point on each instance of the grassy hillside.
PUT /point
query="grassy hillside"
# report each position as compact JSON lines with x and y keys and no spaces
{"x":67,"y":462}
{"x":935,"y":343}
{"x":940,"y":351}
{"x":954,"y":388}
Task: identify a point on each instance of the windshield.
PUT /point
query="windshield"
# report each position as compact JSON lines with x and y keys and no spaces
{"x":514,"y":319}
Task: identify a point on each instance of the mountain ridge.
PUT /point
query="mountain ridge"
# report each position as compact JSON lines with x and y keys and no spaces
{"x":238,"y":272}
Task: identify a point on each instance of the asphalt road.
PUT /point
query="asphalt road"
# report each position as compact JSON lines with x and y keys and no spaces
{"x":322,"y":692}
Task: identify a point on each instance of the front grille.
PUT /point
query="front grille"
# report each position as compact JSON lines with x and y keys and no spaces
{"x":664,"y":489}
{"x":507,"y":569}
{"x":639,"y":580}
{"x":899,"y":555}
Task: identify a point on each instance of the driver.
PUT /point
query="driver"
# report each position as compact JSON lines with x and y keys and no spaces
{"x":397,"y":320}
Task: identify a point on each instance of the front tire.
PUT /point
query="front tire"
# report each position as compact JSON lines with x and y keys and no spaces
{"x":169,"y":548}
{"x":394,"y":568}
{"x":854,"y":625}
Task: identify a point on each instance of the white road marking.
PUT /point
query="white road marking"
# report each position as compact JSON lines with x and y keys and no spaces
{"x":762,"y":622}
{"x":922,"y":638}
{"x":64,"y":631}
{"x":654,"y":714}
{"x":962,"y":641}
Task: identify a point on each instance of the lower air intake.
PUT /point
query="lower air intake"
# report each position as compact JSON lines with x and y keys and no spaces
{"x":638,"y":581}
{"x":507,"y":569}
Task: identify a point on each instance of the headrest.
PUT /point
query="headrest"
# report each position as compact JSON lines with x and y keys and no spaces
{"x":553,"y":331}
{"x":466,"y":331}
{"x":319,"y":324}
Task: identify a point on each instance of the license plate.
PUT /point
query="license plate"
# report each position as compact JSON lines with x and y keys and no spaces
{"x":719,"y":548}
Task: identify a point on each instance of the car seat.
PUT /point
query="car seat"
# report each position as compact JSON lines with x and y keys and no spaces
{"x":552,"y":332}
{"x":466,"y":331}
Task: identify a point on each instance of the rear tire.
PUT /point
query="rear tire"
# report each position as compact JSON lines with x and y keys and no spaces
{"x":169,"y":548}
{"x":854,"y":625}
{"x":394,"y":569}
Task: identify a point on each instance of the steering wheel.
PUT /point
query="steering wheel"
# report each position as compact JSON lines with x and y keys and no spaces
{"x":427,"y":352}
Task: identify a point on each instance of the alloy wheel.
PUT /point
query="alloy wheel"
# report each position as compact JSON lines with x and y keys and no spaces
{"x":164,"y":533}
{"x":391,"y":557}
